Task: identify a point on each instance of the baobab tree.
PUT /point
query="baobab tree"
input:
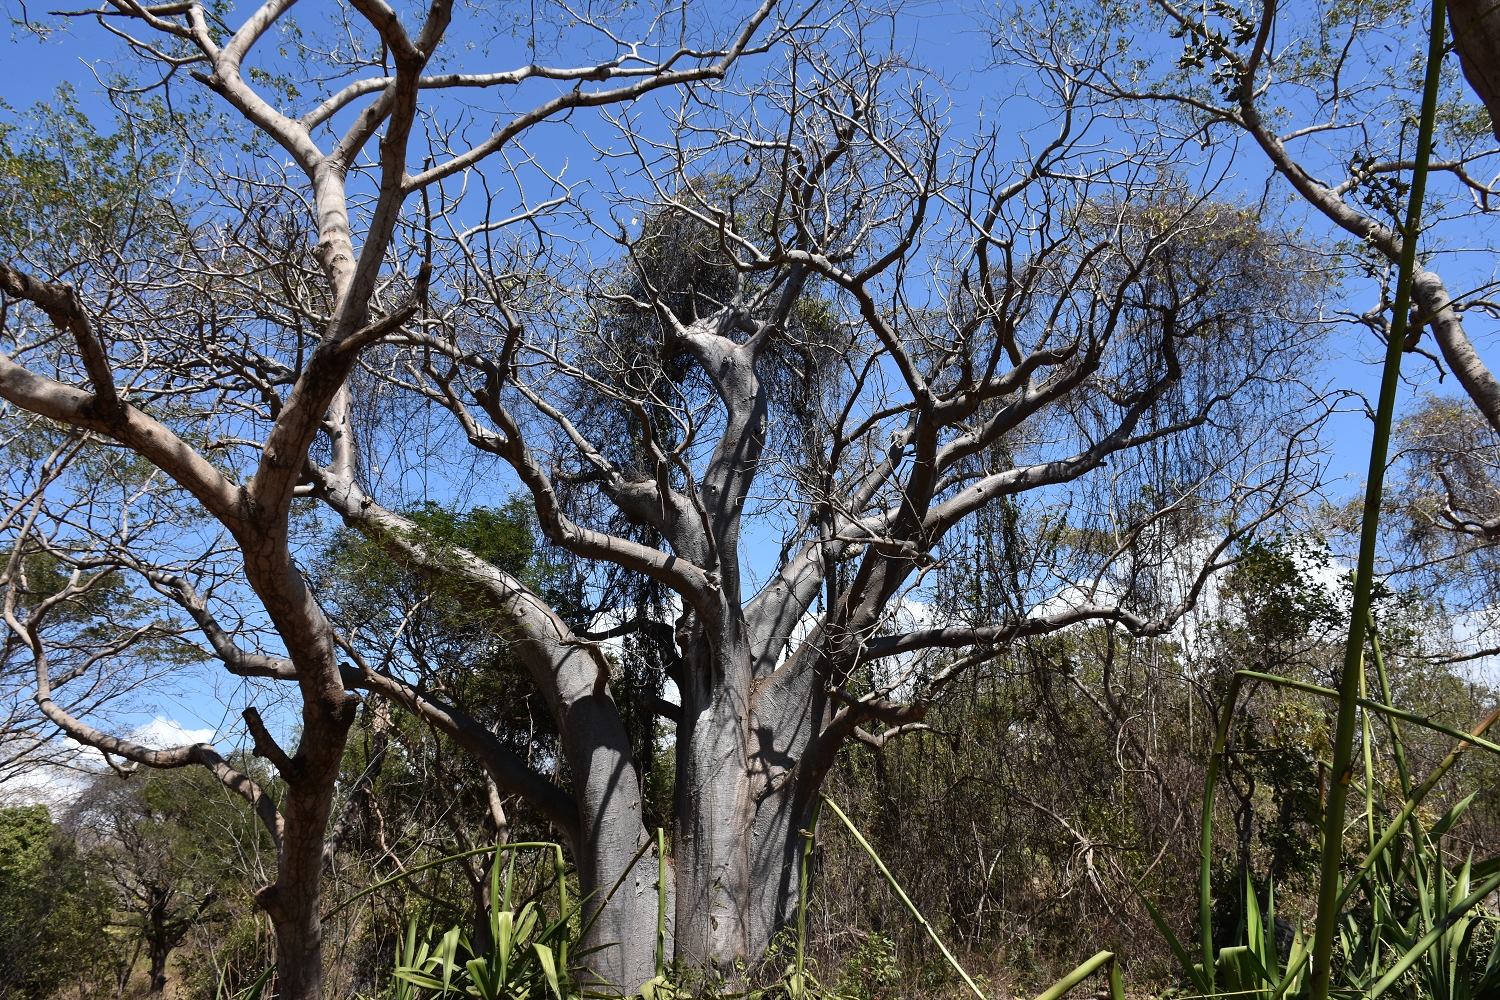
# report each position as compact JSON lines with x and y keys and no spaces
{"x":386,"y":71}
{"x":761,"y":349}
{"x":826,"y":364}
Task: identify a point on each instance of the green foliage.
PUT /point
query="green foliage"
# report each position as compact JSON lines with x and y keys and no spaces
{"x":54,"y":909}
{"x":1416,"y":919}
{"x":96,"y":616}
{"x":872,"y":971}
{"x":527,"y":955}
{"x":1251,"y":968}
{"x":1279,"y":603}
{"x":450,"y":634}
{"x":162,"y":838}
{"x":67,"y":191}
{"x":1417,"y":925}
{"x":409,"y":793}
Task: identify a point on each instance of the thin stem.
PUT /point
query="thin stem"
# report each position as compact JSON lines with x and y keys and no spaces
{"x":1206,"y":835}
{"x":1409,"y":808}
{"x":1343,"y":746}
{"x":901,"y":893}
{"x":562,"y":910}
{"x":441,"y":861}
{"x":1364,"y":719}
{"x":804,"y":877}
{"x":1417,"y":840}
{"x":1375,"y":706}
{"x":1385,"y":696}
{"x":661,"y":902}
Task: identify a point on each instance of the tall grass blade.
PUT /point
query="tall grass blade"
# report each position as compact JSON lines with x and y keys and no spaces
{"x":549,"y":968}
{"x":1081,"y":973}
{"x":1193,"y":972}
{"x":1419,"y":950}
{"x":803,"y":877}
{"x":901,"y":893}
{"x":1409,"y":808}
{"x":1471,"y":738}
{"x":1206,"y":839}
{"x":428,"y":865}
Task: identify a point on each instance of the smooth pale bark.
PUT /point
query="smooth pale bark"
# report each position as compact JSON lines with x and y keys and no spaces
{"x":714,"y":806}
{"x":1429,"y":295}
{"x":1435,"y":307}
{"x":757,"y":729}
{"x":603,"y":823}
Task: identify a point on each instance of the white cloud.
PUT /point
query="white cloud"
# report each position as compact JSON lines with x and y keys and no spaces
{"x":53,"y":787}
{"x":162,"y":732}
{"x":58,"y":786}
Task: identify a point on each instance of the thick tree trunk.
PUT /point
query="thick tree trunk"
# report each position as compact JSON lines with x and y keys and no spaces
{"x":732,"y":882}
{"x":159,"y":946}
{"x":740,"y":807}
{"x":1476,"y":38}
{"x":714,"y":811}
{"x":158,"y":968}
{"x":736,"y":853}
{"x":611,"y":832}
{"x":292,"y":901}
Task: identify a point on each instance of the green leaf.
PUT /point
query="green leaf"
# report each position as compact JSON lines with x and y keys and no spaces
{"x":525,"y":923}
{"x":1192,"y":970}
{"x":549,"y":968}
{"x":504,"y":926}
{"x":446,"y":954}
{"x":1450,"y":817}
{"x":418,"y":979}
{"x":479,"y":976}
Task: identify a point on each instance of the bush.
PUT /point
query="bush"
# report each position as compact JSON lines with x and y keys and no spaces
{"x":54,"y":908}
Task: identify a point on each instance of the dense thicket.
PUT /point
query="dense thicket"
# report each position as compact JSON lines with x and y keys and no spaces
{"x":1053,"y":790}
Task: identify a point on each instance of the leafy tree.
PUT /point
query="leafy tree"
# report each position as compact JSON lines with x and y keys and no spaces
{"x":68,"y":195}
{"x":54,"y":909}
{"x":164,"y":841}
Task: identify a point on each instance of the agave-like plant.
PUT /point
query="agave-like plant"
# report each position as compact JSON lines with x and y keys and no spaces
{"x":1423,"y":923}
{"x":1422,"y":918}
{"x":1251,"y":969}
{"x":522,"y":963}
